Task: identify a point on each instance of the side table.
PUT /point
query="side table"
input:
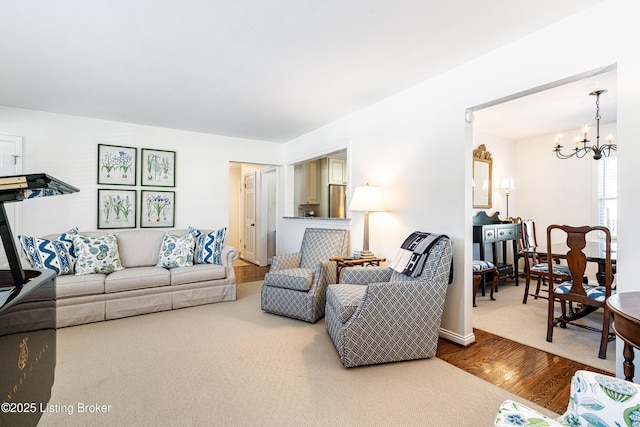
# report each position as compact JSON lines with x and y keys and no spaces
{"x":626,"y":324}
{"x":342,"y":262}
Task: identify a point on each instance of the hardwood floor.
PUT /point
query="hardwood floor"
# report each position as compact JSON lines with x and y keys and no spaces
{"x":532,"y":374}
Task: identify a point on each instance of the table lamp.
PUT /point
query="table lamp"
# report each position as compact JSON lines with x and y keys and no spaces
{"x":366,"y":198}
{"x":507,"y":184}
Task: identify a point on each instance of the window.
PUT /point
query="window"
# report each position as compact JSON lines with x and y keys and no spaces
{"x":607,"y":185}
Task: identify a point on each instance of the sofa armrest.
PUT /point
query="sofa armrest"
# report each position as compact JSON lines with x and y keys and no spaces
{"x":365,"y":275}
{"x":228,"y":256}
{"x":285,"y":261}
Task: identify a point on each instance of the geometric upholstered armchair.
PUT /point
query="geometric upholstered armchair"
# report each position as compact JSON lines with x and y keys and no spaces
{"x":296,"y":284}
{"x":378,"y":314}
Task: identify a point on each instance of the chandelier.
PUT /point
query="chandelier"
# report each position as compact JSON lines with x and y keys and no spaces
{"x":582,"y":149}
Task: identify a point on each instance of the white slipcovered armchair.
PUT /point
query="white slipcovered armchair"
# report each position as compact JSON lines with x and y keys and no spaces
{"x":378,"y":315}
{"x":296,"y":283}
{"x":595,"y":400}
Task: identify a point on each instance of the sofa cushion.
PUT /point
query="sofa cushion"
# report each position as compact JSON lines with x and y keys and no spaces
{"x":197,"y":273}
{"x":344,"y":299}
{"x":209,"y":247}
{"x":176,"y":251}
{"x":55,"y":254}
{"x":139,"y":248}
{"x":136,"y":278}
{"x":298,"y":279}
{"x":75,"y":286}
{"x":96,"y":254}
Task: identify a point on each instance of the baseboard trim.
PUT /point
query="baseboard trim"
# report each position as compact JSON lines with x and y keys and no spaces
{"x":457,"y":338}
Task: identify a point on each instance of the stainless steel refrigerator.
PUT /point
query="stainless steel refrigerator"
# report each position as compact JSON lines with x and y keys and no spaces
{"x":337,"y":201}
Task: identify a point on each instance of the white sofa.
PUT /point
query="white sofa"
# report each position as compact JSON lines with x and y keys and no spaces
{"x":140,"y":287}
{"x":595,"y":400}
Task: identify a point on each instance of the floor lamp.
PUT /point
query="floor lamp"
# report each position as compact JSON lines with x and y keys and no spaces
{"x":366,"y":198}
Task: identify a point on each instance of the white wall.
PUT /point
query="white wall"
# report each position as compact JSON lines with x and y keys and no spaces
{"x":66,"y":148}
{"x":416,"y":146}
{"x":554,"y":191}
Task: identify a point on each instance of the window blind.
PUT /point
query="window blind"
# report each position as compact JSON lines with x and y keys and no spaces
{"x":607,"y":177}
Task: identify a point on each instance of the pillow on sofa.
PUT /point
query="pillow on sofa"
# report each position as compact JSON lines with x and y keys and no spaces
{"x":96,"y":254}
{"x":209,"y":247}
{"x":57,"y":255}
{"x":176,"y":251}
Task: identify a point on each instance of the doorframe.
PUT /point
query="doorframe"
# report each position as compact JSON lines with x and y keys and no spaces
{"x":263,"y":220}
{"x":256,"y":215}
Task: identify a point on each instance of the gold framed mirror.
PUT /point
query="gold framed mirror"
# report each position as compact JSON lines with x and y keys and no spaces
{"x":482,"y":180}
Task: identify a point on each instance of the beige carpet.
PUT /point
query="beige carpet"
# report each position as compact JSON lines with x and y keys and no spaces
{"x":230,"y":364}
{"x":527,"y":324}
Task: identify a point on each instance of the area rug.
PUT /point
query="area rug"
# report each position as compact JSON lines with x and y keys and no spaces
{"x":507,"y":317}
{"x":231,"y":364}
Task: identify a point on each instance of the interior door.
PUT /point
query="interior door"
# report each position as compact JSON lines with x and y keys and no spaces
{"x":249,"y":252}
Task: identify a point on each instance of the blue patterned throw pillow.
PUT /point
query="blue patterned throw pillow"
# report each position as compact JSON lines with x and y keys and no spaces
{"x":57,"y":255}
{"x":209,"y":247}
{"x":176,"y":251}
{"x":97,"y":254}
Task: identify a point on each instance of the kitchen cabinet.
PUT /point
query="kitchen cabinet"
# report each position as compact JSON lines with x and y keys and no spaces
{"x":337,"y":170}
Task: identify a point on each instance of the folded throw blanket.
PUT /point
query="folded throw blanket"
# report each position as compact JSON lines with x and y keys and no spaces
{"x":414,"y":252}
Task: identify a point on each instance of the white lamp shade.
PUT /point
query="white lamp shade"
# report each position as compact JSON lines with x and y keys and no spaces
{"x":507,"y":184}
{"x":367,"y":198}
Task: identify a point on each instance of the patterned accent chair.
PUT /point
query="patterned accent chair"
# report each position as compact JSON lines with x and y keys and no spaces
{"x":595,"y":400}
{"x":296,"y":284}
{"x":377,"y":315}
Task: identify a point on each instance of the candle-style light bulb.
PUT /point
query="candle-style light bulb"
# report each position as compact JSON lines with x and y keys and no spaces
{"x":609,"y":139}
{"x":584,"y":131}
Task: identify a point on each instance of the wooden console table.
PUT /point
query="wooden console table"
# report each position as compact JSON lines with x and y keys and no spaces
{"x":342,"y":262}
{"x":626,"y":324}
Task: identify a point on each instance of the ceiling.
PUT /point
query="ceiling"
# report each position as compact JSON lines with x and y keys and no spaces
{"x":263,"y":69}
{"x":564,"y":107}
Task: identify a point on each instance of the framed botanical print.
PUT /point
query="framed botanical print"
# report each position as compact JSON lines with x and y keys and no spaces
{"x":116,"y":208}
{"x":158,"y":168}
{"x":157,"y":208}
{"x":117,"y":165}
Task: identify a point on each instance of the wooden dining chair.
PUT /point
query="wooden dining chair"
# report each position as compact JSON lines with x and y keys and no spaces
{"x":535,"y":262}
{"x":589,"y":297}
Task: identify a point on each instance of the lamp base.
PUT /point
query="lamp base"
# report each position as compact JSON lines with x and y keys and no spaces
{"x":367,"y":254}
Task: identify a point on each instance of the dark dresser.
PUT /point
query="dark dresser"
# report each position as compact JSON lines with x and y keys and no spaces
{"x":490,"y":231}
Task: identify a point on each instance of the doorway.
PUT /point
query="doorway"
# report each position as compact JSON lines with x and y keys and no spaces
{"x":253,"y":211}
{"x":520,"y":132}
